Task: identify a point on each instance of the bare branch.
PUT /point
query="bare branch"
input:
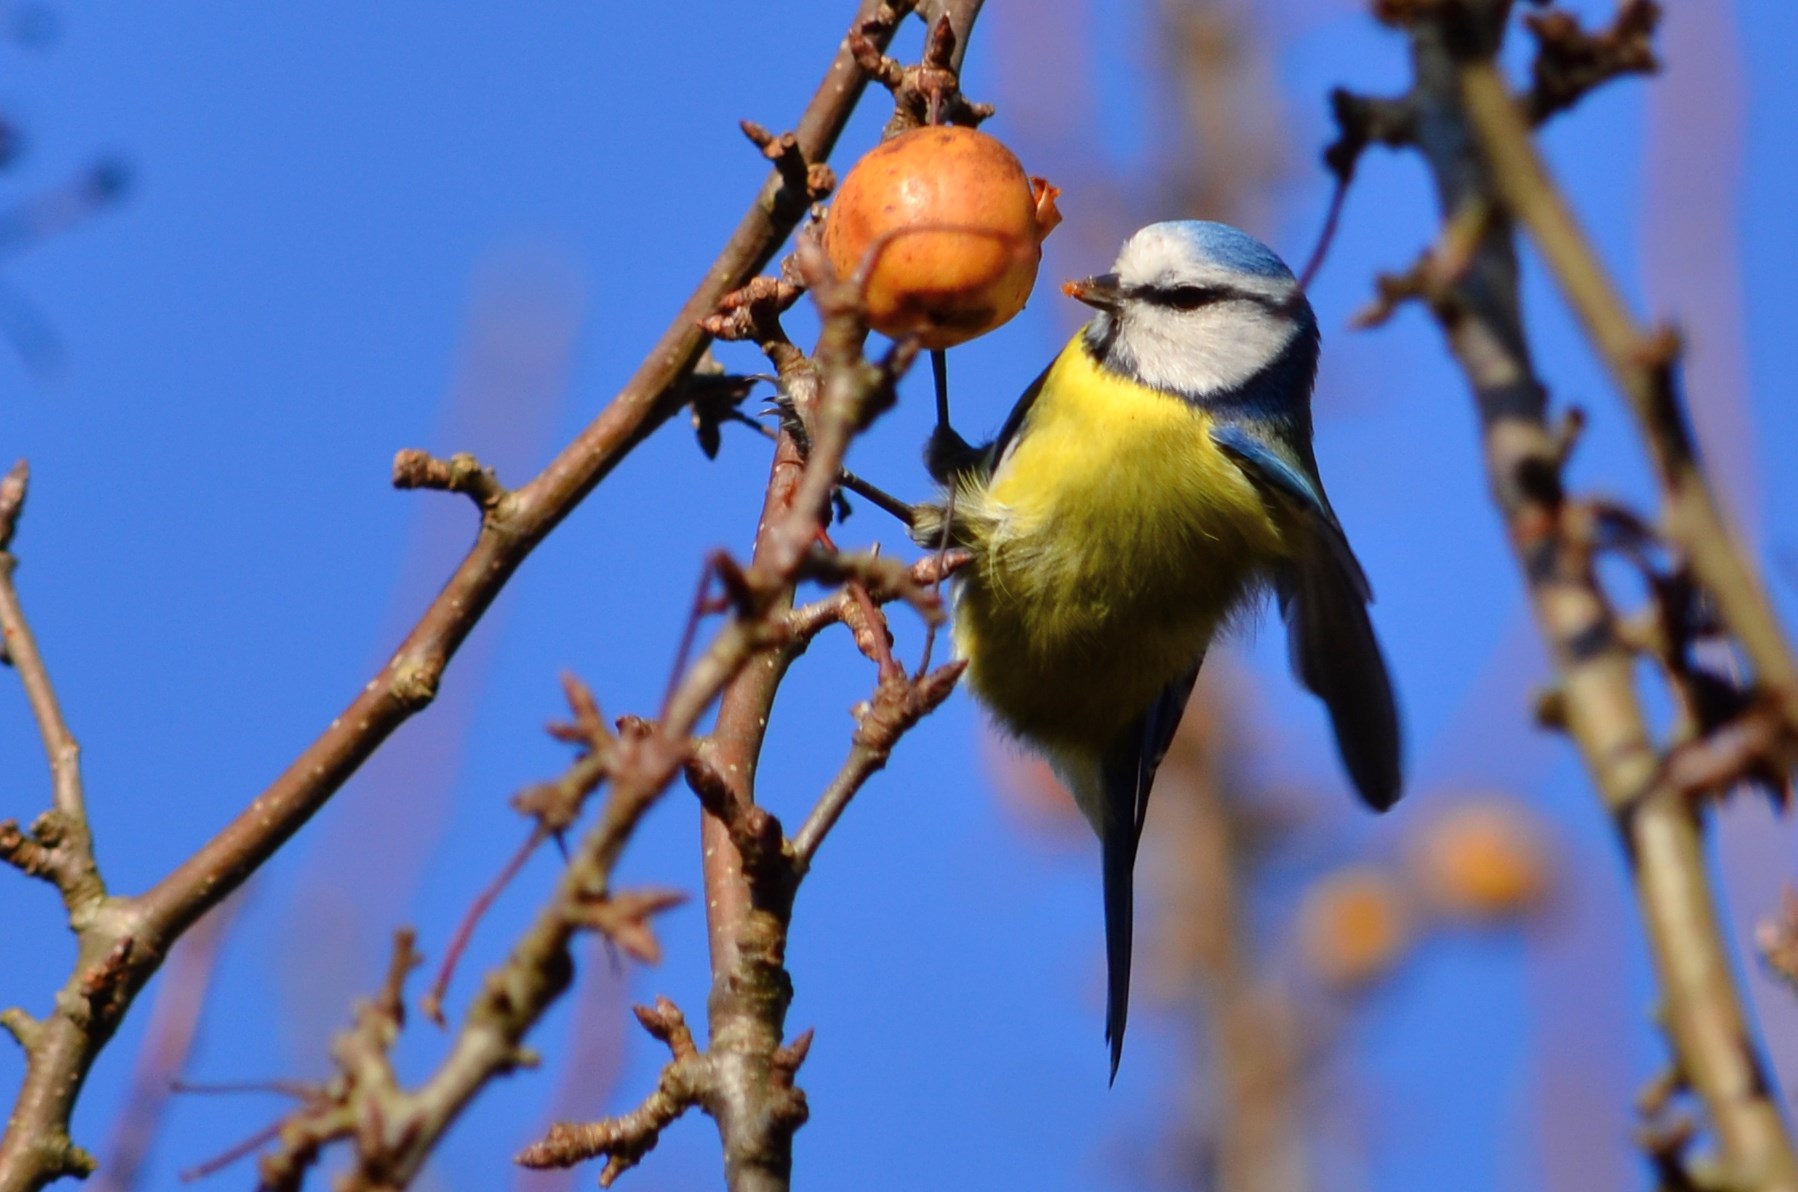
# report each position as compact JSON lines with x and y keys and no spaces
{"x":58,"y":1049}
{"x":753,"y":312}
{"x":1643,"y":365}
{"x":928,"y":92}
{"x":623,"y":1141}
{"x":624,"y":920}
{"x":354,"y":1103}
{"x":60,"y":845}
{"x":898,"y":704}
{"x":749,"y":884}
{"x":1571,"y":61}
{"x":461,"y":473}
{"x":812,"y":178}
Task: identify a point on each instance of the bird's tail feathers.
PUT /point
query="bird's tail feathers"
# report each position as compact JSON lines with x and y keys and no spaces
{"x":1114,"y":795}
{"x":1119,"y":864}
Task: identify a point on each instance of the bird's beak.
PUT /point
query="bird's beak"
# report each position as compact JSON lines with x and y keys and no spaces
{"x":1102,"y":291}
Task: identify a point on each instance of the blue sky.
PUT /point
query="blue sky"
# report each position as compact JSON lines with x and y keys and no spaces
{"x":458,"y":226}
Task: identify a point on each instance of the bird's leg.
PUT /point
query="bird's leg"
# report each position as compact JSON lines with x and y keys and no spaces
{"x":880,"y":498}
{"x":942,"y":550}
{"x":947,"y":454}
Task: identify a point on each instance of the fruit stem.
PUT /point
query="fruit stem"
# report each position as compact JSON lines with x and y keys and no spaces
{"x":939,"y":371}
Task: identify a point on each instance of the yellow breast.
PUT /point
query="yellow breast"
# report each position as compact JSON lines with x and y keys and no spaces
{"x":1113,"y":540}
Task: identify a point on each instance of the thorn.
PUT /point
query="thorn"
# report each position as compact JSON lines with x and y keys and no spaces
{"x":787,"y":1060}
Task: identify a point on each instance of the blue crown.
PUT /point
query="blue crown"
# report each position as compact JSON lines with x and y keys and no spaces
{"x":1229,"y":247}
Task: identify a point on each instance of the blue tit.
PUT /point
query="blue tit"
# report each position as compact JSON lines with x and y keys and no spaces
{"x":1149,"y":485}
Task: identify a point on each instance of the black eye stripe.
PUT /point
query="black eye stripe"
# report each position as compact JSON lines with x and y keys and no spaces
{"x":1183,"y":297}
{"x":1194,"y":297}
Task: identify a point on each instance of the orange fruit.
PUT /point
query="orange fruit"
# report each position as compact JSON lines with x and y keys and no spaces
{"x":1485,"y":861}
{"x":944,"y":230}
{"x":1354,"y":925}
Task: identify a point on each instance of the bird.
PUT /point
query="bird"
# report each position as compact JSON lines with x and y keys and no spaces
{"x":1146,"y":490}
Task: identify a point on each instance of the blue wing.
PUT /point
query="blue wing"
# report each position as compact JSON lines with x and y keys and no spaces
{"x":1324,"y":595}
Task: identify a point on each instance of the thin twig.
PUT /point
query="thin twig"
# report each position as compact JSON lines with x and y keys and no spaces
{"x":237,"y":1152}
{"x":432,"y":1002}
{"x":72,"y":850}
{"x":898,"y":704}
{"x":460,"y":473}
{"x":623,"y":1141}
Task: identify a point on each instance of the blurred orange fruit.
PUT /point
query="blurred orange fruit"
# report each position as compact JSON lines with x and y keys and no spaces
{"x":949,"y":229}
{"x":1354,"y":925}
{"x":1486,"y":861}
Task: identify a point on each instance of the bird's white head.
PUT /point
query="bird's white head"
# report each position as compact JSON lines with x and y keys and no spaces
{"x":1199,"y":309}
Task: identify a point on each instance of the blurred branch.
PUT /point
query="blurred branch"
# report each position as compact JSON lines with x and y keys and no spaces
{"x":1645,"y":367}
{"x":1472,"y":133}
{"x":173,"y":1027}
{"x":124,"y":940}
{"x":1571,"y":61}
{"x":1251,"y":1090}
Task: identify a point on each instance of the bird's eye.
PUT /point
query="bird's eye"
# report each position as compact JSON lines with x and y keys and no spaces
{"x":1189,"y":297}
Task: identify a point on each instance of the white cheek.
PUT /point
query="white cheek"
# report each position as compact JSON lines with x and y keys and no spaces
{"x":1207,"y":350}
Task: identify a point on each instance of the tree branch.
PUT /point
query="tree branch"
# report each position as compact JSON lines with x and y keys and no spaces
{"x":60,"y":845}
{"x":623,"y":1141}
{"x":129,"y":937}
{"x":58,"y":1049}
{"x":748,"y":900}
{"x":898,"y":704}
{"x":640,"y":763}
{"x":1645,"y":368}
{"x":1475,"y":142}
